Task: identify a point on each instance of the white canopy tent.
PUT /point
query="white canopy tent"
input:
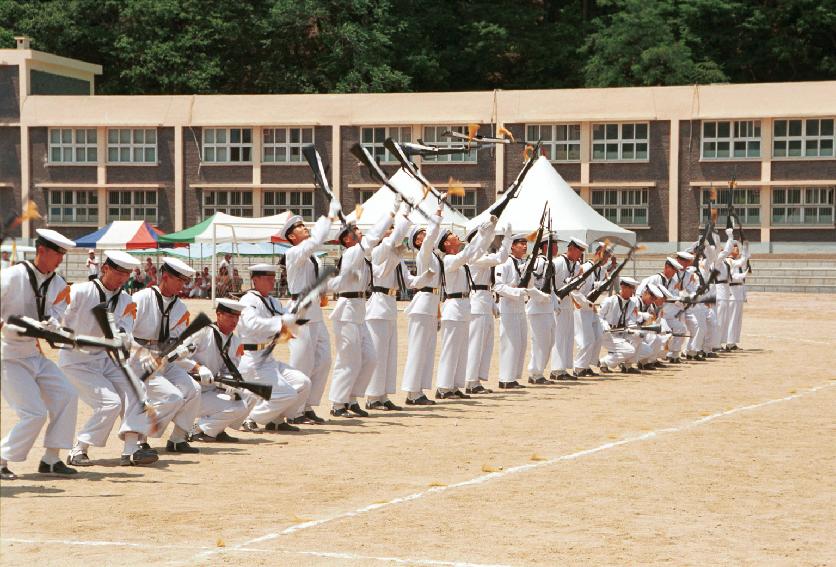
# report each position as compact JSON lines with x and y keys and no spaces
{"x":383,"y":200}
{"x":571,"y":216}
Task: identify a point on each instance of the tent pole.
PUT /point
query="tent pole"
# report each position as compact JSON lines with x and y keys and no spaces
{"x":214,"y":258}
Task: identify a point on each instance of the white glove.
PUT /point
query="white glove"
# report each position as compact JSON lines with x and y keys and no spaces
{"x":730,"y":232}
{"x":206,"y":377}
{"x":52,"y":324}
{"x":536,"y":293}
{"x":147,"y":362}
{"x":405,"y":208}
{"x":288,"y":320}
{"x":335,"y":208}
{"x":183,"y":350}
{"x":508,"y":231}
{"x":230,"y":391}
{"x":398,"y":201}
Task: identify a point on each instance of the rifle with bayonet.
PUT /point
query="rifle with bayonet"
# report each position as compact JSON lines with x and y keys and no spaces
{"x":548,"y":275}
{"x":320,"y":180}
{"x":422,"y":149}
{"x":607,"y":284}
{"x":576,"y":282}
{"x":513,"y":190}
{"x":361,"y":153}
{"x":396,"y":150}
{"x":168,"y":354}
{"x":529,"y":268}
{"x":61,"y":338}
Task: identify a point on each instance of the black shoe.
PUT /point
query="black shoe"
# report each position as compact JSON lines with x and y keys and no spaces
{"x":56,"y":469}
{"x":389,"y":405}
{"x":224,"y":437}
{"x":734,"y":347}
{"x":301,"y":420}
{"x":181,"y":447}
{"x":700,"y":355}
{"x":79,"y":460}
{"x":422,"y":401}
{"x":376,"y":405}
{"x":510,"y":385}
{"x":659,"y":364}
{"x":478,"y":389}
{"x":250,"y":426}
{"x":712,"y":354}
{"x":147,"y":447}
{"x":632,"y":370}
{"x":202,"y":437}
{"x":340,"y":412}
{"x":439,"y":395}
{"x":690,"y":357}
{"x":357,"y":410}
{"x":287,"y":427}
{"x":6,"y":474}
{"x":270,"y":426}
{"x":539,"y":380}
{"x":139,"y":457}
{"x":589,"y":372}
{"x":569,"y":376}
{"x":604,"y":368}
{"x":461,"y":395}
{"x":554,"y":375}
{"x":315,"y":419}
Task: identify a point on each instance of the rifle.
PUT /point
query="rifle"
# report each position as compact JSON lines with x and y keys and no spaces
{"x":410,"y":167}
{"x":320,"y":181}
{"x":692,"y":301}
{"x":472,"y":136}
{"x":637,"y":330}
{"x":422,"y":149}
{"x":575,"y":283}
{"x":28,"y":327}
{"x":200,"y":322}
{"x":376,"y":172}
{"x":529,"y":268}
{"x":596,"y":293}
{"x":548,"y":276}
{"x":263,"y":391}
{"x":513,"y":190}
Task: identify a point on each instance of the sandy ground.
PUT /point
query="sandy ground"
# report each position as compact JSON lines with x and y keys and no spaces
{"x":726,"y":462}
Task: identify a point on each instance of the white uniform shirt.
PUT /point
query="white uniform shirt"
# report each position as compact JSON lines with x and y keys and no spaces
{"x":208,"y":351}
{"x":539,"y":305}
{"x":511,"y":297}
{"x":617,"y":312}
{"x":302,"y":266}
{"x":455,"y":275}
{"x":564,"y":271}
{"x":423,"y":302}
{"x":482,"y":270}
{"x":386,"y":265}
{"x":149,"y":319}
{"x":18,"y":298}
{"x":260,"y":321}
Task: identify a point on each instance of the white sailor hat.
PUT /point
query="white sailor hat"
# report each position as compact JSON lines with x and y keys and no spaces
{"x":262,"y":269}
{"x":545,"y":238}
{"x":654,"y":289}
{"x":519,"y":236}
{"x":229,"y":306}
{"x":578,"y":243}
{"x":627,"y":280}
{"x":291,"y":224}
{"x":471,"y":233}
{"x":344,"y":230}
{"x":665,"y":291}
{"x":178,"y":267}
{"x":121,"y":260}
{"x":672,"y":261}
{"x":685,"y":255}
{"x":414,"y":231}
{"x":53,"y":239}
{"x":445,"y":234}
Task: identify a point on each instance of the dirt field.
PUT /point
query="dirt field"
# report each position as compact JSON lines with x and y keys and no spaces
{"x":725,"y":462}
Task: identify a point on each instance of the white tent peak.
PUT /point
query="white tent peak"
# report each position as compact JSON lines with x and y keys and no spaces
{"x":571,"y":216}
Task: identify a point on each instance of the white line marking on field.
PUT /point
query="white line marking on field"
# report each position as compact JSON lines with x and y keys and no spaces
{"x":512,"y":470}
{"x":240,"y":549}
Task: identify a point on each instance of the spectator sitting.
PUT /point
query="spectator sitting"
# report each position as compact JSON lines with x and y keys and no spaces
{"x":135,"y":282}
{"x":237,"y":281}
{"x":197,"y":287}
{"x":223,"y":282}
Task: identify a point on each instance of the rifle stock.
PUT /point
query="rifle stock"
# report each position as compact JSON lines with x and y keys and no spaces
{"x":576,"y":283}
{"x":513,"y":189}
{"x":263,"y":391}
{"x":361,"y":153}
{"x":529,"y":268}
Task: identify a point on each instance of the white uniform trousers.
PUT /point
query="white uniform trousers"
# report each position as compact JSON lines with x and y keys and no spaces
{"x":588,"y":336}
{"x":36,"y":389}
{"x":384,"y":379}
{"x":355,"y":362}
{"x":699,"y":330}
{"x":619,"y":350}
{"x":479,"y":348}
{"x":642,"y":349}
{"x":692,"y":324}
{"x":290,"y":387}
{"x":219,"y":410}
{"x":310,"y":353}
{"x":175,"y":396}
{"x":735,"y":322}
{"x":724,"y":308}
{"x":542,"y":341}
{"x":513,"y":333}
{"x":452,"y":364}
{"x":676,"y":343}
{"x":712,"y":337}
{"x":655,"y":347}
{"x":564,"y":338}
{"x":420,"y":355}
{"x":250,"y":400}
{"x":102,"y":386}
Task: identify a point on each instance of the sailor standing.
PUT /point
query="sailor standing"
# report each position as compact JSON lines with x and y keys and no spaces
{"x":160,"y":318}
{"x":100,"y":383}
{"x":566,"y":267}
{"x":513,"y":331}
{"x":33,"y":385}
{"x":310,"y":349}
{"x":540,"y":312}
{"x":259,"y":326}
{"x":482,"y":313}
{"x":589,"y":334}
{"x":738,"y":264}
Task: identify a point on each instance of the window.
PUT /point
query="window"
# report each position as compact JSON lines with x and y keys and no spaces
{"x":126,"y":145}
{"x":561,"y":142}
{"x":434,"y":135}
{"x":728,"y":140}
{"x":237,"y":203}
{"x":132,"y":205}
{"x":284,"y":145}
{"x":299,"y":202}
{"x":747,"y":204}
{"x":227,"y":145}
{"x":364,"y":195}
{"x":72,"y":145}
{"x":465,"y":204}
{"x":614,"y":142}
{"x":803,"y":138}
{"x":802,"y":206}
{"x":621,"y":206}
{"x":373,"y":138}
{"x":69,"y":207}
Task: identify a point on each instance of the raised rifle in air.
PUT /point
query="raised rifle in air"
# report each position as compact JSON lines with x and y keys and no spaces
{"x":529,"y":268}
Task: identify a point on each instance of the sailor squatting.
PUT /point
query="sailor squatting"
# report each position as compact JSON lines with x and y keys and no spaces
{"x":151,"y":366}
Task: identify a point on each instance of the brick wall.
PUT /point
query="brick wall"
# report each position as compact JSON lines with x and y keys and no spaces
{"x":10,"y":172}
{"x":9,"y":93}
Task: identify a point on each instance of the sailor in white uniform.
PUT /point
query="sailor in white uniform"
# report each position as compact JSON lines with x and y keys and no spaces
{"x":738,"y":268}
{"x":513,"y":331}
{"x":540,"y":313}
{"x":589,"y":335}
{"x":618,"y":313}
{"x":34,"y":386}
{"x":567,"y":266}
{"x":668,"y":280}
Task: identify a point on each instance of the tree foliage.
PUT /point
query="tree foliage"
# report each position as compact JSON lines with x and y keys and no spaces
{"x":306,"y":46}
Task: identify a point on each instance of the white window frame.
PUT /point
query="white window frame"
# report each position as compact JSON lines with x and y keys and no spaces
{"x":619,"y":140}
{"x":364,"y":195}
{"x":625,"y":199}
{"x":212,"y":147}
{"x":811,"y":202}
{"x":805,"y":137}
{"x":467,"y":204}
{"x":140,"y":205}
{"x":69,"y":212}
{"x":132,"y":146}
{"x":736,"y":136}
{"x":239,"y":209}
{"x":562,"y":142}
{"x":372,"y":138}
{"x":283,"y":145}
{"x":71,"y":144}
{"x":432,"y":136}
{"x":300,"y":202}
{"x":746,"y":201}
